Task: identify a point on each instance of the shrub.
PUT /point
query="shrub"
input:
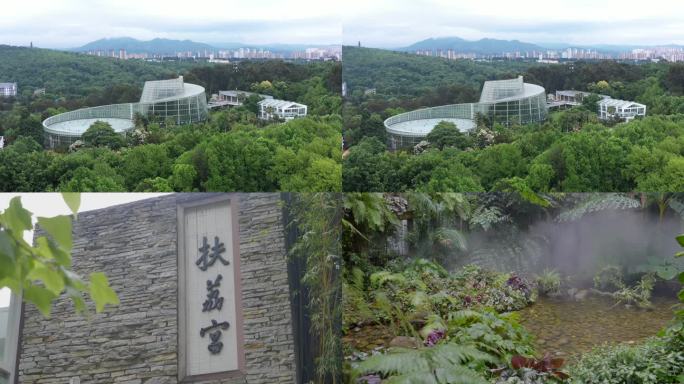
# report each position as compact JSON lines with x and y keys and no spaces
{"x":657,"y":361}
{"x":548,"y":283}
{"x":498,"y":334}
{"x":526,"y":370}
{"x":443,"y":363}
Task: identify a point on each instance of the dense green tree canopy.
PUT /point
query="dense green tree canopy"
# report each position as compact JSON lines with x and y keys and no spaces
{"x":232,"y":151}
{"x":447,"y":134}
{"x":101,"y":134}
{"x":642,"y":155}
{"x":572,"y":151}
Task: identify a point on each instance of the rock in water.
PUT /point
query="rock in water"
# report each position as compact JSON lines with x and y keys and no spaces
{"x":581,"y":294}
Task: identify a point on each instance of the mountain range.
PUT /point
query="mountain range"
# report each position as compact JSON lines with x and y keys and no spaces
{"x":482,"y":46}
{"x":170,"y":46}
{"x":494,"y":46}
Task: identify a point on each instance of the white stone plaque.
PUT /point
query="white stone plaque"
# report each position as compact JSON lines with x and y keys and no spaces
{"x":209,"y":285}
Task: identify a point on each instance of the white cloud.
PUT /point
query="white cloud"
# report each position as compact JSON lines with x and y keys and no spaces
{"x":397,"y":23}
{"x":71,"y":23}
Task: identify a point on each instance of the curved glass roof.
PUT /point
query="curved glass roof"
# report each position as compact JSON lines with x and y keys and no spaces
{"x":496,"y":91}
{"x":424,"y":126}
{"x":529,"y":90}
{"x":420,"y":122}
{"x":188,"y":90}
{"x":120,"y":116}
{"x":79,"y":126}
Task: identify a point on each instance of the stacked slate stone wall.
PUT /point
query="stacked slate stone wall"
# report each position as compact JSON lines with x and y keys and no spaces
{"x":136,"y":342}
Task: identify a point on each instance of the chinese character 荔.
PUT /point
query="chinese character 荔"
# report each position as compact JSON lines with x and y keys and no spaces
{"x":213,"y":300}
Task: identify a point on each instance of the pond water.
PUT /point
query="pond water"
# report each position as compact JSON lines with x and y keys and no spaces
{"x":569,"y":328}
{"x":368,"y":337}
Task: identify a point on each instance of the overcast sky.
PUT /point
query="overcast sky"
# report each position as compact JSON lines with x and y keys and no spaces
{"x":396,"y":23}
{"x":72,"y":23}
{"x":52,"y":204}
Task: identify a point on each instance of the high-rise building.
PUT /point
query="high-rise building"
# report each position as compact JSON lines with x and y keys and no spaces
{"x":8,"y":89}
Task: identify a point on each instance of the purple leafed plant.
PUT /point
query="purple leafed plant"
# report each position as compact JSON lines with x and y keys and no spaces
{"x":435,"y":336}
{"x":518,"y":283}
{"x":546,"y":364}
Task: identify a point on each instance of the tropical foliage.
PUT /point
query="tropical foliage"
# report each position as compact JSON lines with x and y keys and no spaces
{"x":42,"y":272}
{"x":434,"y":317}
{"x":658,"y":360}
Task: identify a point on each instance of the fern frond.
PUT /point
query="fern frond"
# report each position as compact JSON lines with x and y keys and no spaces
{"x":399,"y":362}
{"x":379,"y":279}
{"x":486,"y":217}
{"x":458,"y":375}
{"x":449,"y":238}
{"x":402,"y":364}
{"x":596,"y":202}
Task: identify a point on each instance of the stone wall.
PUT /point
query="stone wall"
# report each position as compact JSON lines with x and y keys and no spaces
{"x":136,"y":342}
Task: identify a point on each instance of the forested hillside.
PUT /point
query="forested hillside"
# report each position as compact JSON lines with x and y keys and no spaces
{"x":232,"y":151}
{"x":571,"y":151}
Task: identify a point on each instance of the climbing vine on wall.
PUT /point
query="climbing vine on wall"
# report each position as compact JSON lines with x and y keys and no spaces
{"x":317,"y":217}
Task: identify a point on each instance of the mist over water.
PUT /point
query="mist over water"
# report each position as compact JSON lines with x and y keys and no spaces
{"x":633,"y":239}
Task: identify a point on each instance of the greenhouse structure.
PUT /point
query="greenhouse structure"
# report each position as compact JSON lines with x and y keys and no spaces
{"x":270,"y":109}
{"x":620,"y":109}
{"x":175,"y":100}
{"x":507,"y":102}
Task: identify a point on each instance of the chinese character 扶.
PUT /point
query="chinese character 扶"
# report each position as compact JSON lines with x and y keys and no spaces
{"x":214,"y":330}
{"x":207,"y":258}
{"x":213,"y":300}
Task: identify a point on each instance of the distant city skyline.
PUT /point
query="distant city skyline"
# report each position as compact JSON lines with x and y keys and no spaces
{"x":68,"y":24}
{"x":385,"y":24}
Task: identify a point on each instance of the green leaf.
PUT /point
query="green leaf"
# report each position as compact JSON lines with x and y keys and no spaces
{"x":49,"y":250}
{"x":10,"y":282}
{"x":681,"y":277}
{"x":40,"y":297}
{"x":75,"y":281}
{"x":679,"y":254}
{"x":16,"y":217}
{"x":52,"y":279}
{"x":100,"y":291}
{"x":6,"y":245}
{"x":7,"y":255}
{"x":59,"y":227}
{"x":77,"y":297}
{"x":7,"y":267}
{"x":666,"y":272}
{"x":73,"y":200}
{"x":680,"y":240}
